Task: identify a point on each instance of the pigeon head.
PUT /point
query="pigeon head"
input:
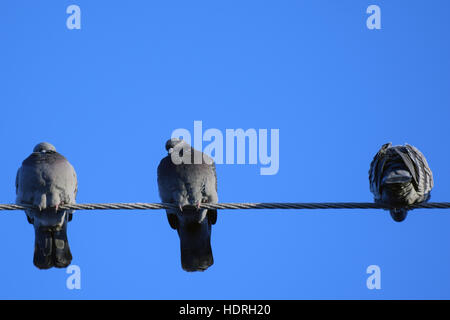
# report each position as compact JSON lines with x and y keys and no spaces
{"x":396,"y":175}
{"x":395,"y":170}
{"x":172,"y":143}
{"x":44,"y":147}
{"x":396,"y":181}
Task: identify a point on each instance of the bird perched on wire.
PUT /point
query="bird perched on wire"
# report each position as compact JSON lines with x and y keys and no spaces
{"x":187,"y":178}
{"x":46,"y":181}
{"x":399,"y":177}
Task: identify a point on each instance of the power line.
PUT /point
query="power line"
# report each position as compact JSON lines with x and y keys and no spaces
{"x":233,"y":206}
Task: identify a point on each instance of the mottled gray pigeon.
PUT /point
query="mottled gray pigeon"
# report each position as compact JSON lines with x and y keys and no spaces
{"x":47,"y":181}
{"x":400,"y":176}
{"x":188,"y":183}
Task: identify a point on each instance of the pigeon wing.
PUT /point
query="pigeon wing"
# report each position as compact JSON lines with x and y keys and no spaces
{"x":424,"y":176}
{"x":376,"y":171}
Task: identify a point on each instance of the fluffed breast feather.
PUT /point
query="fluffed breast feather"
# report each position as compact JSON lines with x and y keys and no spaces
{"x":46,"y":180}
{"x":185,"y":177}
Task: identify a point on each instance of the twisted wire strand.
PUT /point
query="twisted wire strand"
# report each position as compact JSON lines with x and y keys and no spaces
{"x":233,"y":206}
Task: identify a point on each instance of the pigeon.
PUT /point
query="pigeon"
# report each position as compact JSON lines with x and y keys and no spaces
{"x":188,"y":183}
{"x":400,"y":177}
{"x":45,"y":182}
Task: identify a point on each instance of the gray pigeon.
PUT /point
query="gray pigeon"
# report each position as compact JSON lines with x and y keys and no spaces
{"x":188,"y":184}
{"x":47,"y":181}
{"x":400,"y":176}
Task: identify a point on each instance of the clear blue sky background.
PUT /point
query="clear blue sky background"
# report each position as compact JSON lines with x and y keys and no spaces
{"x":109,"y":95}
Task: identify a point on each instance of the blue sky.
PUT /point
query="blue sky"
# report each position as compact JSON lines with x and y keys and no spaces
{"x":108,"y":96}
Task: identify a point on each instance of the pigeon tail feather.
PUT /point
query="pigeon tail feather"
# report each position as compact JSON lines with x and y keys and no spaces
{"x":51,"y":247}
{"x":195,"y":245}
{"x":399,"y":214}
{"x":43,"y":248}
